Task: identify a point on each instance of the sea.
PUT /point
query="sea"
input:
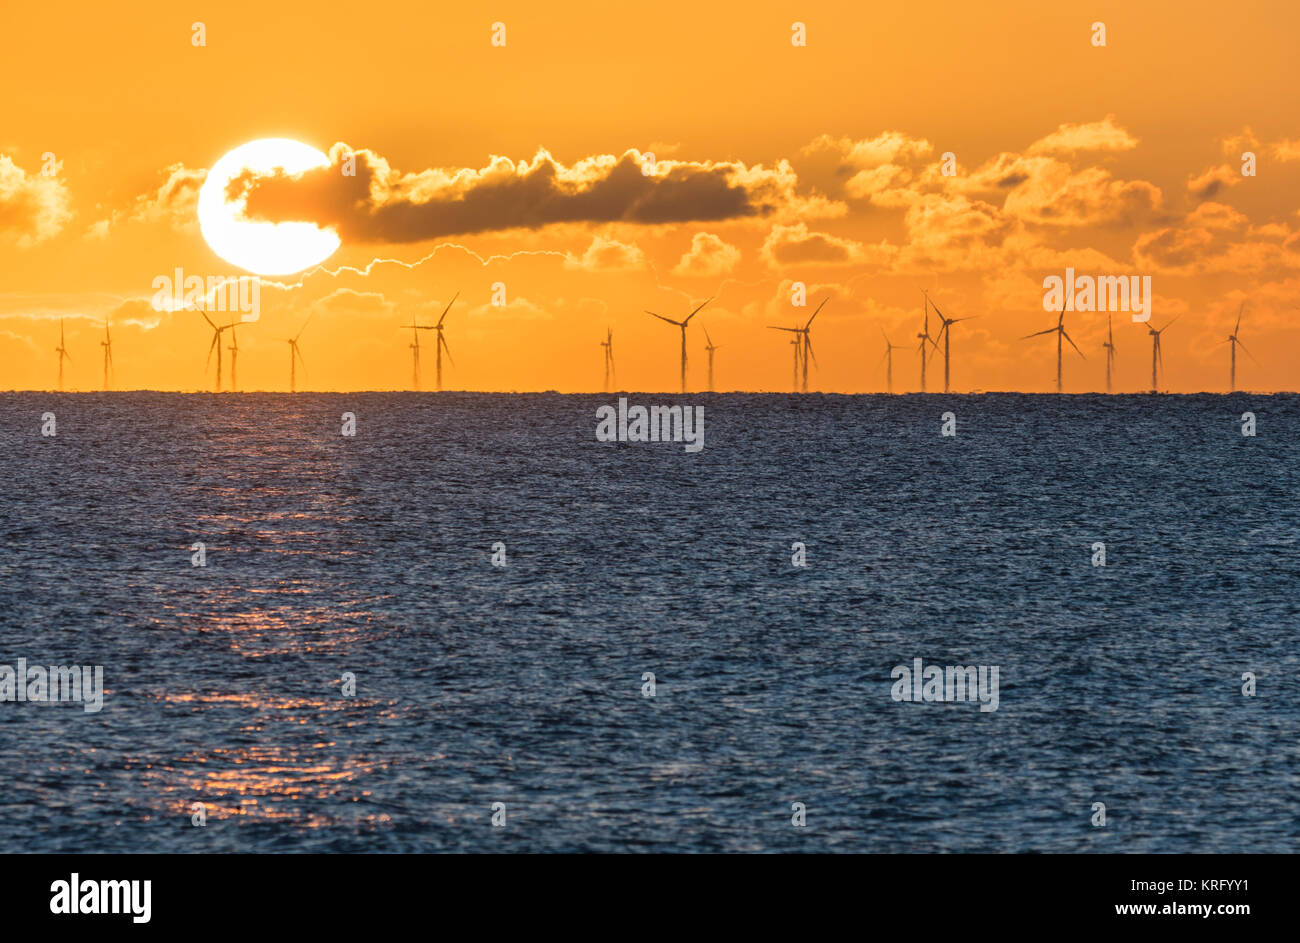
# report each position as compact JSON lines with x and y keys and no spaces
{"x":471,"y":626}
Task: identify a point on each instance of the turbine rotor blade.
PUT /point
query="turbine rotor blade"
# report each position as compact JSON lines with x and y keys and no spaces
{"x":815,"y":313}
{"x":448,"y":308}
{"x":695,"y":312}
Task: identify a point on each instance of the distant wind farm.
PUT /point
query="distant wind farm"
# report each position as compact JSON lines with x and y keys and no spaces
{"x":803,"y":357}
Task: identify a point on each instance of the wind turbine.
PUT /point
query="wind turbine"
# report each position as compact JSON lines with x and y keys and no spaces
{"x":796,"y":343}
{"x":62,"y":351}
{"x":234,"y":357}
{"x":215,"y":345}
{"x":890,"y":347}
{"x":1109,"y":347}
{"x":710,"y":347}
{"x":945,"y":334}
{"x":107,"y":344}
{"x":1235,"y":342}
{"x":442,"y":341}
{"x":925,"y":336}
{"x":1060,"y":332}
{"x":682,"y":325}
{"x":803,"y":335}
{"x":294,"y":352}
{"x":1156,"y":355}
{"x":608,"y":344}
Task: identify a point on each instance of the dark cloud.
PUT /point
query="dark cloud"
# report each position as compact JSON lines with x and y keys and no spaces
{"x":380,"y":205}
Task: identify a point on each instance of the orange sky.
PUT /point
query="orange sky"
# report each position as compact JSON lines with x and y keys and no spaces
{"x":777,"y":164}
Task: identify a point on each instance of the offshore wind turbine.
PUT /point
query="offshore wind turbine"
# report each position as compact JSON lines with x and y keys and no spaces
{"x":62,"y":351}
{"x":795,"y":342}
{"x":946,"y":335}
{"x":415,"y":351}
{"x":608,"y":344}
{"x":441,"y":345}
{"x":1156,"y":356}
{"x":925,"y":336}
{"x":294,"y":352}
{"x":682,"y":325}
{"x":1109,"y":346}
{"x":1060,"y":332}
{"x":215,"y":345}
{"x":710,"y":347}
{"x":107,"y":344}
{"x":234,"y":357}
{"x":1236,"y":342}
{"x":803,"y":337}
{"x":890,"y":347}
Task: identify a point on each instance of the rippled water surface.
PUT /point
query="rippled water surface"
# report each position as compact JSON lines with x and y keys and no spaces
{"x":523,"y":685}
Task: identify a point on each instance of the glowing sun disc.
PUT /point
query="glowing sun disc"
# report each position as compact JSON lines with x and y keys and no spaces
{"x":262,"y":248}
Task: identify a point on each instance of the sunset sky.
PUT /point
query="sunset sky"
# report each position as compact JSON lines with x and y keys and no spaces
{"x":479,"y":164}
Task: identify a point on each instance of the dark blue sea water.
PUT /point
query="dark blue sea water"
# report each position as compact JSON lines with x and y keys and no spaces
{"x":522,"y":685}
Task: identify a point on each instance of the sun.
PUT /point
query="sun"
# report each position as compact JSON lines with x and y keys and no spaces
{"x":260,"y":247}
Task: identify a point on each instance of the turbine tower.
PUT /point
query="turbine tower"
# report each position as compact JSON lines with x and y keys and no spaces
{"x":62,"y":351}
{"x":1236,"y":342}
{"x":925,"y":336}
{"x":1060,"y":332}
{"x":803,"y":336}
{"x":215,"y":345}
{"x":442,"y":342}
{"x":946,"y":335}
{"x":682,"y":325}
{"x":294,"y":352}
{"x":1156,"y":356}
{"x":890,"y":347}
{"x":608,"y":344}
{"x":234,"y":357}
{"x":710,"y":347}
{"x":796,"y":342}
{"x":1109,"y":347}
{"x":107,"y":344}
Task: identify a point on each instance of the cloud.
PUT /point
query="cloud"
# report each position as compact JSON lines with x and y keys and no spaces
{"x":1215,"y":238}
{"x":174,"y":202}
{"x":380,"y":204}
{"x":795,"y":245}
{"x":1102,"y":135}
{"x":708,"y":255}
{"x":1049,"y":192}
{"x":33,"y":207}
{"x":607,"y":255}
{"x":1210,"y":182}
{"x":888,"y":147}
{"x":1286,"y":150}
{"x":350,"y":304}
{"x":1235,"y":145}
